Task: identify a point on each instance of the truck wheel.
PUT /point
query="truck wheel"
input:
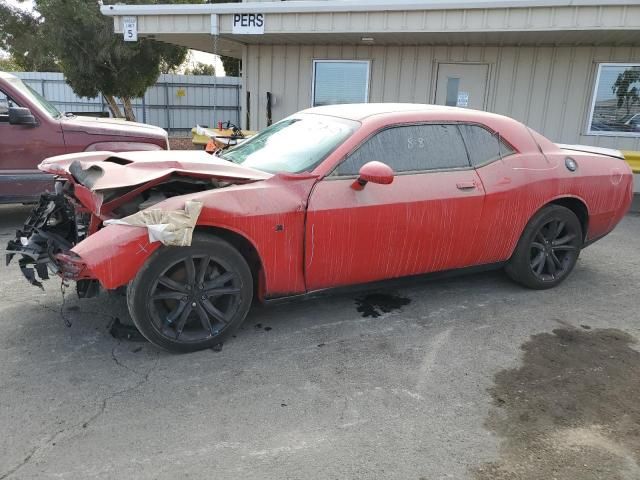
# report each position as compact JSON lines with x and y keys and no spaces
{"x":548,"y":249}
{"x":191,"y":298}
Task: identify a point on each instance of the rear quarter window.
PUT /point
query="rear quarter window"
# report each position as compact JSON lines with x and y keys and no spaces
{"x":484,"y":147}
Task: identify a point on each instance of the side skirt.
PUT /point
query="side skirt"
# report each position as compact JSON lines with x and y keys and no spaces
{"x":400,"y":282}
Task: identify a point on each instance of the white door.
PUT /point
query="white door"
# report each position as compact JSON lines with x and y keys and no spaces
{"x":462,"y":85}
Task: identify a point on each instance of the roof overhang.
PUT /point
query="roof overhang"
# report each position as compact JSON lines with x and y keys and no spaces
{"x":388,"y":22}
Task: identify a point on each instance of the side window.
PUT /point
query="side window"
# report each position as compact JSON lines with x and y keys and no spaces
{"x":4,"y":107}
{"x":484,"y":147}
{"x":5,"y":103}
{"x":410,"y":148}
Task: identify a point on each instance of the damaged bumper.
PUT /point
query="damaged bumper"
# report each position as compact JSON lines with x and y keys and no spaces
{"x":45,"y":241}
{"x":109,"y":213}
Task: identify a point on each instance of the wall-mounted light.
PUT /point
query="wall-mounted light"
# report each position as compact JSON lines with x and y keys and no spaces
{"x":367,"y":39}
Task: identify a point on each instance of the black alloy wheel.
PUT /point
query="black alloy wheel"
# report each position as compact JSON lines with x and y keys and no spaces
{"x":554,"y":250}
{"x":548,"y":249}
{"x":189,"y":298}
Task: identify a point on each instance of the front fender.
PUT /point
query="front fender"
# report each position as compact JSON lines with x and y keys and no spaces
{"x":114,"y":254}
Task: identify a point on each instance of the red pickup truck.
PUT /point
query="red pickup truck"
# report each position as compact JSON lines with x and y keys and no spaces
{"x":32,"y":129}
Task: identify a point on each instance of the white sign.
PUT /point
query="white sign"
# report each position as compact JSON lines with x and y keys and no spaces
{"x":130,"y":29}
{"x":248,"y":23}
{"x":463,"y":99}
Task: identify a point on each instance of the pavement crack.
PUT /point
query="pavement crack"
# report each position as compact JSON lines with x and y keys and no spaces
{"x":144,"y":378}
{"x":121,"y":364}
{"x":25,"y":461}
{"x":34,"y":451}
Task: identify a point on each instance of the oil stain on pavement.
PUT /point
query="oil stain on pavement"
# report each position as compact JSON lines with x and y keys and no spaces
{"x":376,"y":304}
{"x":571,"y":411}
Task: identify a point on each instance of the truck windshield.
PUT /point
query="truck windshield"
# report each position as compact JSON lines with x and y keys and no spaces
{"x":35,"y":97}
{"x":294,"y":145}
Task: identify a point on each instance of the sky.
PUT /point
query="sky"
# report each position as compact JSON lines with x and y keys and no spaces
{"x":27,"y":5}
{"x":194,"y":57}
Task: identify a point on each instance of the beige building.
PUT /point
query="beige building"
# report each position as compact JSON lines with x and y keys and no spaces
{"x":568,"y":68}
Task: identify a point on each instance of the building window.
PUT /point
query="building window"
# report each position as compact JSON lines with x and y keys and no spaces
{"x":615,"y":108}
{"x":340,"y":81}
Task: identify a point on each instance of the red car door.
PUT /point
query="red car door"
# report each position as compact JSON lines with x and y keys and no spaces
{"x":514,"y":182}
{"x":425,"y":221}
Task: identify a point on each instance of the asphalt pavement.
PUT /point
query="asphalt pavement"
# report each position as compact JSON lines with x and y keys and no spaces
{"x":466,"y":378}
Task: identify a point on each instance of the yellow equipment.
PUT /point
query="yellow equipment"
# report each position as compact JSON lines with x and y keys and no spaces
{"x":201,"y":136}
{"x":633,"y":159}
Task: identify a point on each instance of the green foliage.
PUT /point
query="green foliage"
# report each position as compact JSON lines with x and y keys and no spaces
{"x":231,"y":66}
{"x":9,"y":64}
{"x":21,"y":35}
{"x":94,"y":59}
{"x":201,"y":69}
{"x":625,"y":90}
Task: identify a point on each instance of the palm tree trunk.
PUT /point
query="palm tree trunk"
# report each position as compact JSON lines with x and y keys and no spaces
{"x":113,"y":106}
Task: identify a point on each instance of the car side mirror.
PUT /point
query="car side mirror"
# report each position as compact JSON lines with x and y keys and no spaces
{"x":21,"y":116}
{"x":374,"y":172}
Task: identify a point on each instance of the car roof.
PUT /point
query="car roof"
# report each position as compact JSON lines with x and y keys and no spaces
{"x":360,"y":111}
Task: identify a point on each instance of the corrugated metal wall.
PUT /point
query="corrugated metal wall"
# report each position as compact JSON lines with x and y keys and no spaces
{"x":175,"y":102}
{"x":547,"y":88}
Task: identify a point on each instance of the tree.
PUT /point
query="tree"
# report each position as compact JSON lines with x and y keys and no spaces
{"x":8,"y":64}
{"x":625,"y":90}
{"x":201,"y":69}
{"x":21,"y":35}
{"x":231,"y":66}
{"x":95,"y":60}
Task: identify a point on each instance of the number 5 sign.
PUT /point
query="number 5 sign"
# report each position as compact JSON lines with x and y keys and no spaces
{"x":130,"y":29}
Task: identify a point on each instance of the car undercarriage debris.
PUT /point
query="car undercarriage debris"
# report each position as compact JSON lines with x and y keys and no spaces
{"x":120,"y":331}
{"x":50,"y":229}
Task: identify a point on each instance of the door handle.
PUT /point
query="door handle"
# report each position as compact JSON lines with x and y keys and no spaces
{"x":466,"y":185}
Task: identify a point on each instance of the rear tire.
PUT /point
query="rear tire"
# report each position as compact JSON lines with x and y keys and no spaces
{"x":548,"y":249}
{"x":186,"y":299}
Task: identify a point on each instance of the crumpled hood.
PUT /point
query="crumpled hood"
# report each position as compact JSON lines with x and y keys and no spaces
{"x":111,"y":126}
{"x":108,"y":170}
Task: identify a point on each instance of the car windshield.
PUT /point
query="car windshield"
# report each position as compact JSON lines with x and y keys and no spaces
{"x":35,"y":97}
{"x":294,"y":145}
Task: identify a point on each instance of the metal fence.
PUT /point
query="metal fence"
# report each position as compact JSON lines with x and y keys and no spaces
{"x":175,"y":103}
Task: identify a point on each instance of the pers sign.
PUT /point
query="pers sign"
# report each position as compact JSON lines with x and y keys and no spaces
{"x":248,"y":23}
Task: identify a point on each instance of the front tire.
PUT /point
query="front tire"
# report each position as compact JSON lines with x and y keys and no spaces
{"x":548,"y":249}
{"x":186,"y":299}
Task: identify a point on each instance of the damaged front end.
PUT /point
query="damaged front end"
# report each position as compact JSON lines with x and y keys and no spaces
{"x":71,"y":232}
{"x":44,"y":243}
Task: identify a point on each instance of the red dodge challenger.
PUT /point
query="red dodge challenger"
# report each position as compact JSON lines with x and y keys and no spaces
{"x":328,"y":197}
